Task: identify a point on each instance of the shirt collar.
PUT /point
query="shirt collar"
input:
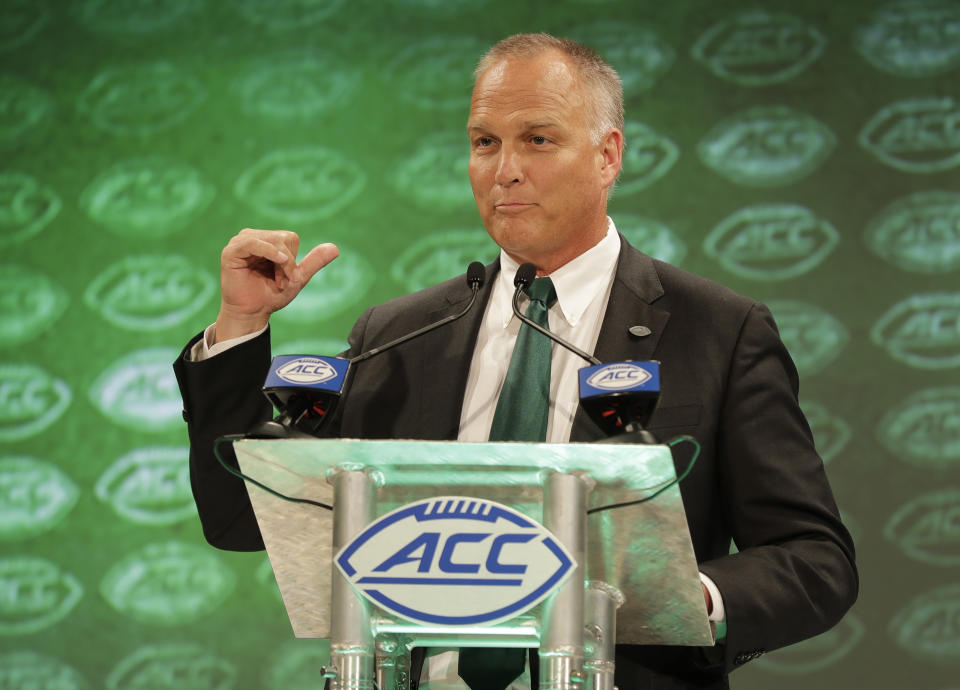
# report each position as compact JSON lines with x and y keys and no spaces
{"x":577,"y":282}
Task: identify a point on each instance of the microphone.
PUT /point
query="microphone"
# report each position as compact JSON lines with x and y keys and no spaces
{"x":525,"y":275}
{"x":305,"y":389}
{"x":619,"y":397}
{"x":474,"y":280}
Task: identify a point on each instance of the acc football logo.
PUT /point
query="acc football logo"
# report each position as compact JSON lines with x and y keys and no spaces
{"x":172,"y":666}
{"x":434,"y":175}
{"x":146,"y":197}
{"x":34,"y":496}
{"x":334,"y":289}
{"x":638,"y":54}
{"x":31,"y":304}
{"x":150,"y":486}
{"x":830,"y":432}
{"x":301,"y":184}
{"x":920,"y":232}
{"x":295,"y":666}
{"x":140,"y":391}
{"x":286,"y":14}
{"x":813,"y":337}
{"x":647,"y":158}
{"x":818,"y":652}
{"x":652,"y":237}
{"x":295,"y":87}
{"x":266,"y":579}
{"x":925,"y":428}
{"x":435,"y":73}
{"x":440,"y":255}
{"x":167,"y":583}
{"x":149,"y":292}
{"x":619,"y":376}
{"x":134,"y":19}
{"x":36,"y":594}
{"x":912,"y":38}
{"x":756,"y":48}
{"x":30,"y":400}
{"x":141,"y":100}
{"x":24,"y":670}
{"x":766,"y":146}
{"x":916,"y":135}
{"x":307,"y":370}
{"x":20,"y":20}
{"x":461,"y":561}
{"x":332,"y":345}
{"x":926,"y":627}
{"x":23,"y":107}
{"x":928,"y":528}
{"x":922,"y":331}
{"x":771,"y":241}
{"x":26,"y":207}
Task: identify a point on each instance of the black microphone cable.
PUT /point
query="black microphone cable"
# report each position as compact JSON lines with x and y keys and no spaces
{"x":659,"y":490}
{"x":227,"y":438}
{"x":525,"y":275}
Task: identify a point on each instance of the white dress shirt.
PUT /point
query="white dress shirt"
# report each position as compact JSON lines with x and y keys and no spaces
{"x":583,"y":287}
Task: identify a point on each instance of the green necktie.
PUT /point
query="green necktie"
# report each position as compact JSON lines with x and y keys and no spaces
{"x":521,"y":415}
{"x":524,"y":402}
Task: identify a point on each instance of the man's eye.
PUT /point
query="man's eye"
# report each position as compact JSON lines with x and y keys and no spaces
{"x":538,"y":140}
{"x":483,"y":142}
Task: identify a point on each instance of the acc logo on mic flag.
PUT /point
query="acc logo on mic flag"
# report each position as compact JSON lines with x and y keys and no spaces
{"x":619,"y":377}
{"x":306,"y":370}
{"x":311,"y":371}
{"x":455,"y":561}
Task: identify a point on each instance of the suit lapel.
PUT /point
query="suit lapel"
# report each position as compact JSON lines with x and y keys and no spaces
{"x":636,"y":286}
{"x":445,"y":360}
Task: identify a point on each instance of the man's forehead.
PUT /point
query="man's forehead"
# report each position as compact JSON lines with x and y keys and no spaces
{"x":547,"y":69}
{"x":537,"y":90}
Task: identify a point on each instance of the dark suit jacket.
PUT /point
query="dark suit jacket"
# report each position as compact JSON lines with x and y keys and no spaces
{"x":726,"y":379}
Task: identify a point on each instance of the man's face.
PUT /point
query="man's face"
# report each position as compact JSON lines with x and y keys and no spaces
{"x":539,"y":181}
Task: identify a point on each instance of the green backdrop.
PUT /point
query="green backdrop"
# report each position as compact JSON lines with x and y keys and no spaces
{"x":803,"y":153}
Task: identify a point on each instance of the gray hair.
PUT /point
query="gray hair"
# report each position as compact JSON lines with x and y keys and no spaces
{"x":599,"y":77}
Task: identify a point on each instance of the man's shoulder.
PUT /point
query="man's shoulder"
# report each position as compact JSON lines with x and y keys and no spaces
{"x":668,"y":285}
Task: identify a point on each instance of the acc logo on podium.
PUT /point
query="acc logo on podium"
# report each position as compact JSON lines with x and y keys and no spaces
{"x":455,"y":561}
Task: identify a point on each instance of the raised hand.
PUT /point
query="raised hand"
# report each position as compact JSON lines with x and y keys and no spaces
{"x":259,"y":274}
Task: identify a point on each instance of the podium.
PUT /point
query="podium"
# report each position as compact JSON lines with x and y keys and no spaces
{"x":632,"y":576}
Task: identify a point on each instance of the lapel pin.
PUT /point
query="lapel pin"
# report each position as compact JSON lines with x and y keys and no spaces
{"x":639,"y":331}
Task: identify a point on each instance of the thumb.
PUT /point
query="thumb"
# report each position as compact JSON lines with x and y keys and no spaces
{"x":317,"y":258}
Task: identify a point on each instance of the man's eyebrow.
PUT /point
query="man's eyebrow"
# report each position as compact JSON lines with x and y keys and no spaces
{"x":539,"y":124}
{"x":526,"y":126}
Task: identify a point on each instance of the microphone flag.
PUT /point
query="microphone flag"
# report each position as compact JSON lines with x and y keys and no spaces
{"x":620,"y":397}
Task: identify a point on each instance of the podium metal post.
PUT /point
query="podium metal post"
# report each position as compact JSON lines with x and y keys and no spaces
{"x":601,"y":602}
{"x":351,"y":637}
{"x":561,"y":646}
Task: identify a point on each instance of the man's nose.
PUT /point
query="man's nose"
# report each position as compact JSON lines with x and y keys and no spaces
{"x":510,"y":168}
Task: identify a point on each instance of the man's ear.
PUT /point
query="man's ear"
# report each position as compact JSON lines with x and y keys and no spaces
{"x":611,"y":153}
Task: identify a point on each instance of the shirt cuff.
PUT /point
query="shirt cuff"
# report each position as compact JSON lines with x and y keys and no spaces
{"x":718,"y":614}
{"x":205,"y":348}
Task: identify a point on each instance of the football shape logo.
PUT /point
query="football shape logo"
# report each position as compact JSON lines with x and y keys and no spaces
{"x":455,"y":561}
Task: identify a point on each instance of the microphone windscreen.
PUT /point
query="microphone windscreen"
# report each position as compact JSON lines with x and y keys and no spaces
{"x":475,"y":274}
{"x":525,"y":275}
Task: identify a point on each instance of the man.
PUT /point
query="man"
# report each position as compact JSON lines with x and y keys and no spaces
{"x":545,"y":131}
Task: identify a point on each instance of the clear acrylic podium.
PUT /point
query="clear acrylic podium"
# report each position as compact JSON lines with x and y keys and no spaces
{"x":635,"y":580}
